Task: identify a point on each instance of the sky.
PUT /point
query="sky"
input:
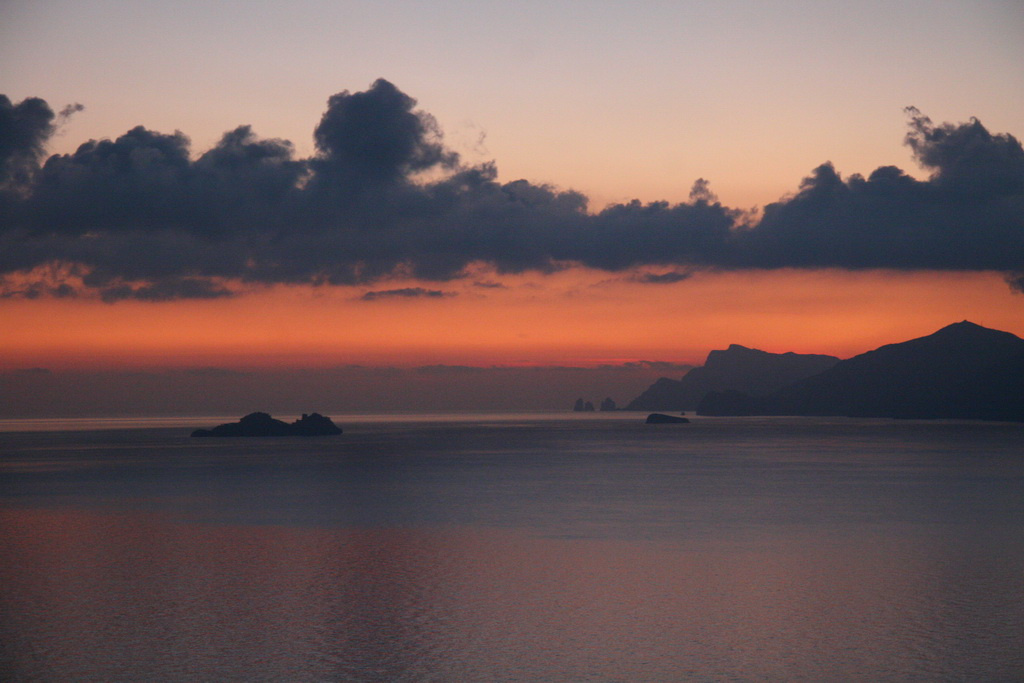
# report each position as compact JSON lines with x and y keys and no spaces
{"x":501,"y":204}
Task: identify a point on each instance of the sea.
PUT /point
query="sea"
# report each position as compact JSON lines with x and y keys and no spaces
{"x":513,"y":547}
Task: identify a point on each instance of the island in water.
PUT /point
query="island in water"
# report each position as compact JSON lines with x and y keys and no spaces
{"x":262,"y":424}
{"x":662,"y":419}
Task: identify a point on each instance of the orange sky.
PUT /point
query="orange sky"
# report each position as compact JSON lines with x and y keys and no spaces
{"x":621,"y":101}
{"x":575,"y":318}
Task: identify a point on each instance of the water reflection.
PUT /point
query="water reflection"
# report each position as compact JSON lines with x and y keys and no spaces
{"x":108,"y":595}
{"x":514,"y":549}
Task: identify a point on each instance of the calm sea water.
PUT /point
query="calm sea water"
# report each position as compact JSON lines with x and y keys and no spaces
{"x":514,"y":548}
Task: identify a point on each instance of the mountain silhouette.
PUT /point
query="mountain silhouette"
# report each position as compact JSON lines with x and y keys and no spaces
{"x":737,"y":368}
{"x":963,"y":370}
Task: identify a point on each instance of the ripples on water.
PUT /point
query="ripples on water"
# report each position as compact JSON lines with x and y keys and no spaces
{"x":516,"y":548}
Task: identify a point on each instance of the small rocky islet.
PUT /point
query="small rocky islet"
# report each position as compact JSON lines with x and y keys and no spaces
{"x":262,"y":424}
{"x":662,"y":419}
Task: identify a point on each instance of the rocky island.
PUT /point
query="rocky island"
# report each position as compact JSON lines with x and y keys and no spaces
{"x":262,"y":424}
{"x":662,"y":419}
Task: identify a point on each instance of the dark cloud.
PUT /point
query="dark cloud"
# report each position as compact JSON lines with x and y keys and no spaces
{"x":627,"y":235}
{"x":966,"y":158}
{"x":166,"y":290}
{"x":141,"y":217}
{"x":375,"y":137}
{"x":69,"y":110}
{"x":969,"y":215}
{"x":24,"y":130}
{"x":668,"y":278}
{"x":1016,"y":282}
{"x":405,"y":293}
{"x":34,"y":290}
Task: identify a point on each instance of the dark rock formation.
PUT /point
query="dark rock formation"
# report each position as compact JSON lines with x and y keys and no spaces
{"x":261,"y":424}
{"x":588,"y":407}
{"x":962,"y":371}
{"x":607,"y":405}
{"x":314,"y":425}
{"x":737,"y":368}
{"x":578,"y":406}
{"x":660,"y":419}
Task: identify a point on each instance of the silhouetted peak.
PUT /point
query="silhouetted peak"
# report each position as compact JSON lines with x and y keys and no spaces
{"x":738,"y":354}
{"x":732,"y":354}
{"x":964,"y":326}
{"x":964,"y":335}
{"x":967,"y":328}
{"x":963,"y":370}
{"x":736,"y":367}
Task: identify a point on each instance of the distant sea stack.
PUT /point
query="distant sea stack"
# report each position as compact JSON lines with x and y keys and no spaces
{"x":737,"y":368}
{"x":261,"y":424}
{"x":963,"y":370}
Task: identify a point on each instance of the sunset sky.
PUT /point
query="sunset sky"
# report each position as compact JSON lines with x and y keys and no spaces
{"x":600,"y":186}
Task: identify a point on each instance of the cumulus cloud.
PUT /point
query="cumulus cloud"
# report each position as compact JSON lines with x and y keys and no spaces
{"x":24,"y":129}
{"x":375,"y":138}
{"x":141,"y":217}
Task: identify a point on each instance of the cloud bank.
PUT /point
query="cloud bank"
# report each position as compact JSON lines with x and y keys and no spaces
{"x":141,"y":217}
